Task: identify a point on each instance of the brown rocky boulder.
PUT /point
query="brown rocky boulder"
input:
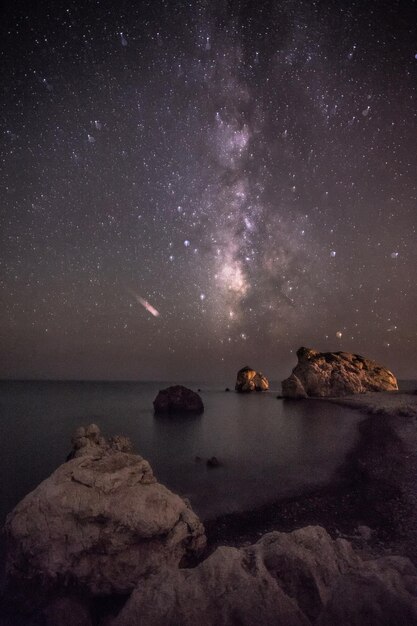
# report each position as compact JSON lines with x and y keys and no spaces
{"x":178,"y":399}
{"x":99,"y":524}
{"x":321,"y":374}
{"x":250,"y":380}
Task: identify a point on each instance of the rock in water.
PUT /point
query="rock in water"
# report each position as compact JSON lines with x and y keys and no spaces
{"x":178,"y":399}
{"x":321,"y":374}
{"x":292,"y":388}
{"x":100,"y":523}
{"x":250,"y":380}
{"x":295,"y":579}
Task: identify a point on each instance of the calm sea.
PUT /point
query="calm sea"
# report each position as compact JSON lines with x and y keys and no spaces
{"x":267,"y":448}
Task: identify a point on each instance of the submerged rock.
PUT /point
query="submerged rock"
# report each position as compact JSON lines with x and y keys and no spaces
{"x":100,"y":523}
{"x":178,"y":399}
{"x":213,"y":461}
{"x":250,"y":380}
{"x":295,"y":579}
{"x":321,"y":374}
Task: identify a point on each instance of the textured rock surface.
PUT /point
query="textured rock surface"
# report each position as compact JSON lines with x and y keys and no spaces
{"x":88,"y":440}
{"x":293,"y":388}
{"x":321,"y":374}
{"x":380,"y":593}
{"x":101,"y":522}
{"x":178,"y":399}
{"x":299,"y":578}
{"x":250,"y":380}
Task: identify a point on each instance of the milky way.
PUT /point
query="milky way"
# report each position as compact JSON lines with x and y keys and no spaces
{"x":189,"y":187}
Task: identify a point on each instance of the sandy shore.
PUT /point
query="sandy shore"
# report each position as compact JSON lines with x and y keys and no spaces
{"x":372,"y":498}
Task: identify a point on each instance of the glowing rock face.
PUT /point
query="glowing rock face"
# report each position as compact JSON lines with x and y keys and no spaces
{"x":250,"y":380}
{"x":321,"y":374}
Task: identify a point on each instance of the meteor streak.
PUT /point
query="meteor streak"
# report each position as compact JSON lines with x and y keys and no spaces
{"x":146,"y":305}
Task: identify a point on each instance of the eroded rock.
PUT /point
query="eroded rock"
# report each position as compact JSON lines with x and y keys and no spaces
{"x":88,"y":440}
{"x":250,"y":380}
{"x":100,"y":522}
{"x":321,"y":374}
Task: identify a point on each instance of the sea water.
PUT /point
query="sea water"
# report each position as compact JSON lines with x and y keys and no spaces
{"x":267,"y":448}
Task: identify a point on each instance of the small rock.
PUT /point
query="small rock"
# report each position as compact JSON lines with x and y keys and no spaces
{"x":250,"y":380}
{"x":365,"y":532}
{"x":213,"y":462}
{"x":178,"y":399}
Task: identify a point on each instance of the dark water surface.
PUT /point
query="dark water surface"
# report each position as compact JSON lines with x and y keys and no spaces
{"x":268,"y":448}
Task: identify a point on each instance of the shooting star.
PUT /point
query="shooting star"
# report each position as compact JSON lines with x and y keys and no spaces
{"x":146,"y":304}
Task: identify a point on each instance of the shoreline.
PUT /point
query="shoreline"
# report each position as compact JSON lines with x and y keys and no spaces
{"x":371,"y":500}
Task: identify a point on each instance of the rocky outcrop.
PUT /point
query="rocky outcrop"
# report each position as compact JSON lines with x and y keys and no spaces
{"x":100,"y":542}
{"x":88,"y":440}
{"x":321,"y":374}
{"x":178,"y":399}
{"x":100,"y":523}
{"x":250,"y":380}
{"x":294,"y":579}
{"x":292,"y":387}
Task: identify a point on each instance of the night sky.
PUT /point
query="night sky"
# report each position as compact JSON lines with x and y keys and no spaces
{"x":190,"y":187}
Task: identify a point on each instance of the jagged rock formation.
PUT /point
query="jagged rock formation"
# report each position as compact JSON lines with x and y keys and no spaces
{"x":88,"y":440}
{"x":321,"y":374}
{"x":178,"y":399}
{"x":250,"y":380}
{"x":296,"y":579}
{"x":100,"y":522}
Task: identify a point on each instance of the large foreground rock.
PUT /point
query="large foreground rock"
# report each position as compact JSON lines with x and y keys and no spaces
{"x":250,"y":380}
{"x":101,"y":522}
{"x":178,"y":399}
{"x":320,"y":374}
{"x":294,"y":579}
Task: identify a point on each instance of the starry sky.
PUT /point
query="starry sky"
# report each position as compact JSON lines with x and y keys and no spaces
{"x":192,"y":186}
